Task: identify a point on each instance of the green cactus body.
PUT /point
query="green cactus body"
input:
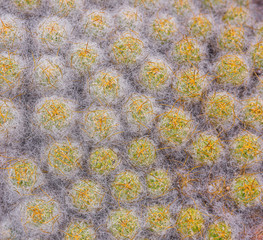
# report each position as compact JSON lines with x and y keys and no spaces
{"x":99,"y":124}
{"x":10,"y":32}
{"x":158,"y":218}
{"x":154,"y":75}
{"x":236,"y":15}
{"x":190,"y":84}
{"x":9,"y":72}
{"x":252,"y":113}
{"x":126,"y":186}
{"x":206,"y":149}
{"x":257,"y":56}
{"x":142,"y":152}
{"x":220,"y":109}
{"x":139,"y":110}
{"x":175,"y":126}
{"x":232,"y":38}
{"x":127,"y":49}
{"x":245,"y":189}
{"x":40,"y":212}
{"x":64,"y":157}
{"x":96,"y":23}
{"x":231,"y":69}
{"x":182,"y":7}
{"x":23,"y":175}
{"x":84,"y":56}
{"x":219,"y":231}
{"x":187,"y":51}
{"x":163,"y":29}
{"x":123,"y":224}
{"x":80,"y":230}
{"x":86,"y":195}
{"x":200,"y":27}
{"x":52,"y":33}
{"x":190,"y":222}
{"x":54,"y":115}
{"x":245,"y":148}
{"x":48,"y":73}
{"x":27,"y":5}
{"x":106,"y":86}
{"x":158,"y":182}
{"x":103,"y":160}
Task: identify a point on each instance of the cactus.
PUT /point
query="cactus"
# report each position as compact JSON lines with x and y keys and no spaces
{"x":158,"y":218}
{"x":86,"y":195}
{"x":190,"y":222}
{"x":123,"y":224}
{"x":142,"y":152}
{"x":158,"y":182}
{"x":80,"y":230}
{"x":218,"y":231}
{"x":126,"y":186}
{"x":127,"y":49}
{"x":245,"y":189}
{"x":103,"y":160}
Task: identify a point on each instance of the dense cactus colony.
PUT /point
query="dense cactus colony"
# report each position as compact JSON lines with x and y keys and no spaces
{"x":131,"y":119}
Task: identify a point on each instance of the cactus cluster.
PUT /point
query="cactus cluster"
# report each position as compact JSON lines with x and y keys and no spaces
{"x":131,"y":119}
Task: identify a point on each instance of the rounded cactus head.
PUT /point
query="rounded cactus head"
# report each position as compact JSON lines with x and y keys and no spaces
{"x":126,"y":186}
{"x":127,"y":49}
{"x":175,"y":126}
{"x":246,"y":148}
{"x":11,"y":32}
{"x":154,"y":75}
{"x":64,"y":7}
{"x":219,"y":231}
{"x":129,"y":19}
{"x":190,"y":84}
{"x":103,"y":160}
{"x":86,"y":195}
{"x":158,"y":182}
{"x":106,"y":86}
{"x":96,"y":23}
{"x":23,"y":175}
{"x":8,"y":116}
{"x":41,"y":213}
{"x":64,"y":157}
{"x":123,"y":224}
{"x":79,"y":230}
{"x":220,"y":109}
{"x":163,"y":29}
{"x":252,"y":113}
{"x":10,"y":72}
{"x":232,"y":70}
{"x":236,"y":15}
{"x":27,"y":5}
{"x":187,"y":51}
{"x":200,"y":27}
{"x":54,"y":115}
{"x":159,"y":218}
{"x":232,"y":38}
{"x":190,"y":222}
{"x":246,"y":189}
{"x":48,"y":73}
{"x":142,"y":152}
{"x":140,"y":111}
{"x":52,"y":32}
{"x":182,"y":7}
{"x":214,"y":4}
{"x":84,"y":57}
{"x":206,"y":149}
{"x":257,"y":56}
{"x":100,"y":124}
